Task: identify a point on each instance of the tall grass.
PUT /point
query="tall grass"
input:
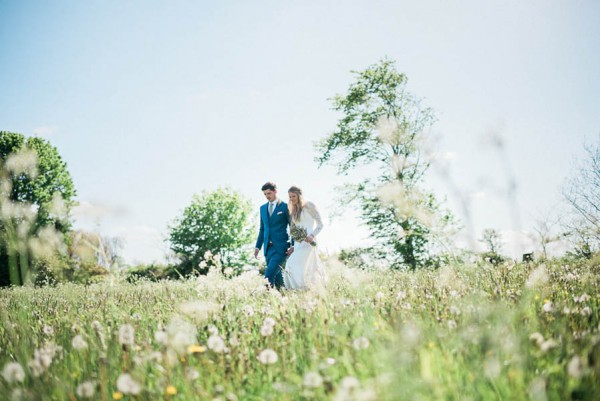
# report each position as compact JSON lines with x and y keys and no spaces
{"x":466,"y":332}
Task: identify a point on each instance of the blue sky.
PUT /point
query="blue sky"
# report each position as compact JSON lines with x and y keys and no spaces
{"x":151,"y":101}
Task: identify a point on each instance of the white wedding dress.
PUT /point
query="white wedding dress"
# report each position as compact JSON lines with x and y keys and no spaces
{"x":303,"y":269}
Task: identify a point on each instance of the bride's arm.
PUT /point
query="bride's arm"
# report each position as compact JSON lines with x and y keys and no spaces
{"x":312,"y":209}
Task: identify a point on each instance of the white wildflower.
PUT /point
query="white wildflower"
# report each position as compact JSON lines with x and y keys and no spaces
{"x":266,"y":331}
{"x":13,"y":372}
{"x":79,"y":342}
{"x":452,"y":324}
{"x":313,"y":380}
{"x":228,"y":271}
{"x":269,"y":321}
{"x":249,"y":310}
{"x":86,"y":389}
{"x":48,"y":330}
{"x":216,"y":343}
{"x":587,"y":311}
{"x":548,"y":308}
{"x":379,"y":296}
{"x":401,"y":295}
{"x":191,"y":373}
{"x":267,"y":357}
{"x":454,"y":310}
{"x":212,"y":330}
{"x":126,"y":334}
{"x":361,"y":343}
{"x":127,"y":385}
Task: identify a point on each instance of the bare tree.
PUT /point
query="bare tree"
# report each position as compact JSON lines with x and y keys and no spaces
{"x":582,"y":193}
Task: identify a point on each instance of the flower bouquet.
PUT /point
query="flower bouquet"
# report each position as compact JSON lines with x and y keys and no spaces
{"x":299,"y":234}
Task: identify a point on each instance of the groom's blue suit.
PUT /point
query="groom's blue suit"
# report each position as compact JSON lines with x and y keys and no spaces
{"x":274,"y":237}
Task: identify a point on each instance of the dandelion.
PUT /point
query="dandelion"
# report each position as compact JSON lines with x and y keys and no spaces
{"x":48,"y":330}
{"x":127,"y":385}
{"x":452,"y":324}
{"x":266,"y":331}
{"x":401,"y":295}
{"x":454,"y":310}
{"x":86,"y":389}
{"x":13,"y":372}
{"x":79,"y":343}
{"x":216,"y":344}
{"x":228,"y":271}
{"x":126,"y":335}
{"x":269,"y":321}
{"x":234,"y":342}
{"x":267,"y":357}
{"x":171,"y":390}
{"x":379,"y":296}
{"x":548,"y":308}
{"x":361,"y":343}
{"x":249,"y":310}
{"x":313,"y":380}
{"x":117,"y":395}
{"x":191,"y":373}
{"x":212,"y":329}
{"x":587,"y":311}
{"x":548,"y":345}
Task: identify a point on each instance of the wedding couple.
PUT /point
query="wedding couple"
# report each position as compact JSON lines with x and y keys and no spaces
{"x":302,"y":269}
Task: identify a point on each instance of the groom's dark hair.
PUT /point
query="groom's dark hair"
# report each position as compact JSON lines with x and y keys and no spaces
{"x":269,"y":185}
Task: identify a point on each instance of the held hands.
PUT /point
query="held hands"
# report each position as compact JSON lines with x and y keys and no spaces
{"x":289,"y":251}
{"x":310,"y":239}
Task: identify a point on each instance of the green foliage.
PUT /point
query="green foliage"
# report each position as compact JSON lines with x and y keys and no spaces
{"x":512,"y":332}
{"x":215,"y":223}
{"x":37,"y":194}
{"x":382,"y":127}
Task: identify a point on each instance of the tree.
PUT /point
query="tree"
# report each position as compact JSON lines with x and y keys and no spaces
{"x":493,"y":239}
{"x":36,"y":195}
{"x":215,"y":223}
{"x":380,"y":131}
{"x":582,"y":194}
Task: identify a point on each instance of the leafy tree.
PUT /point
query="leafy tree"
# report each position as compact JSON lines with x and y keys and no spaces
{"x":379,"y":134}
{"x":582,"y":194}
{"x":215,"y":223}
{"x":493,"y":240}
{"x":36,"y":195}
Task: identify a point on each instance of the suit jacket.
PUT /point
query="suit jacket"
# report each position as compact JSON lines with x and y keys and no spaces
{"x":274,"y":228}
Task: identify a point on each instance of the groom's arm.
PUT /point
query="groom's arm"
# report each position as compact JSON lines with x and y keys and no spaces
{"x":260,"y":239}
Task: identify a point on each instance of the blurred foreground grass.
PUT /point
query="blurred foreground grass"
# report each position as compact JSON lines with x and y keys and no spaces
{"x":458,"y":333}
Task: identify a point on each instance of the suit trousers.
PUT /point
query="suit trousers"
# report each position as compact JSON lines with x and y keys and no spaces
{"x":275,"y":260}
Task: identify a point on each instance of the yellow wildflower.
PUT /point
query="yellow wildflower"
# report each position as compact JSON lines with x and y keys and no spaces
{"x":117,"y":395}
{"x":196,"y":349}
{"x":171,"y":390}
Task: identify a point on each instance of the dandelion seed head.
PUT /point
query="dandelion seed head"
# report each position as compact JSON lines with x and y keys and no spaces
{"x":86,"y":389}
{"x":13,"y":372}
{"x":127,"y":385}
{"x":126,"y":334}
{"x":313,"y":380}
{"x":267,"y":357}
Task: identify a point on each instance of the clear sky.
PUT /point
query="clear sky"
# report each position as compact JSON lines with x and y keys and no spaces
{"x":150,"y":102}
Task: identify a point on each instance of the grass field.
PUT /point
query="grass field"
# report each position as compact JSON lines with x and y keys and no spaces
{"x":512,"y":332}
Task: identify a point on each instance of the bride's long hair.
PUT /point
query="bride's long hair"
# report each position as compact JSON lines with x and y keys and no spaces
{"x":296,"y":210}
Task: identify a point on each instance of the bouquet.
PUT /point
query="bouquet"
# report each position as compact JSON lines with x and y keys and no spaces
{"x":299,"y":234}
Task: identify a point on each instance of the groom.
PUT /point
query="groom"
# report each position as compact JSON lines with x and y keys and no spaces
{"x":274,"y":220}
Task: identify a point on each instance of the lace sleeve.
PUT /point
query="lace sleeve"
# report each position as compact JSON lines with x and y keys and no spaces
{"x":312,"y":209}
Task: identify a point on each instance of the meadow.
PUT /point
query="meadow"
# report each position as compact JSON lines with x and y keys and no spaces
{"x":466,"y":332}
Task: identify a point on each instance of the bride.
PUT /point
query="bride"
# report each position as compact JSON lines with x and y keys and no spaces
{"x":303,"y":268}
